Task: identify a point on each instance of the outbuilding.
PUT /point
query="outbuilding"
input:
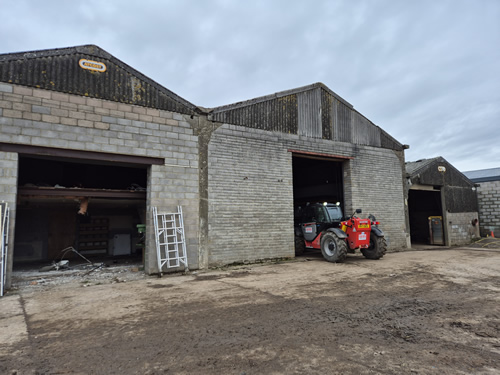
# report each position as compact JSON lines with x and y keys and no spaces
{"x":89,"y":145}
{"x":442,"y":203}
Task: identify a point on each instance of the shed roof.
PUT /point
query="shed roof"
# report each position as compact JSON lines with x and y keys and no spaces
{"x":426,"y":172}
{"x":414,"y":167}
{"x":280,"y":94}
{"x":313,"y":111}
{"x":90,"y":71}
{"x":484,"y":175}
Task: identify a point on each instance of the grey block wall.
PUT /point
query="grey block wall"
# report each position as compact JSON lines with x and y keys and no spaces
{"x":8,"y":194}
{"x":377,"y":189}
{"x":250,"y":197}
{"x":251,"y":191}
{"x":460,"y":227}
{"x":489,"y":207}
{"x":44,"y":118}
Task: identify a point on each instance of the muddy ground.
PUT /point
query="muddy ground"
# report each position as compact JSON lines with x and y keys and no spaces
{"x":417,"y":312}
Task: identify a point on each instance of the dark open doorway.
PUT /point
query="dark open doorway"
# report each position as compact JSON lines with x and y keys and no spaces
{"x":317,"y":180}
{"x":423,"y":204}
{"x":92,"y":206}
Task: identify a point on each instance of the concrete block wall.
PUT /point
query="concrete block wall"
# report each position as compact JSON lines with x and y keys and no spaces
{"x":250,"y":197}
{"x":8,"y":176}
{"x":251,"y":191}
{"x":170,"y":186}
{"x":489,"y":207}
{"x":377,"y":189}
{"x":45,"y":118}
{"x":8,"y":194}
{"x":460,"y":228}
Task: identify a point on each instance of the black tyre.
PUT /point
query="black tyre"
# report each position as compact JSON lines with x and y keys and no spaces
{"x":300,"y":245}
{"x":377,"y":249}
{"x":333,"y":248}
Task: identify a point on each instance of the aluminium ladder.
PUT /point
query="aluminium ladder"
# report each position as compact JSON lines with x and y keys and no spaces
{"x":4,"y":242}
{"x":170,"y":239}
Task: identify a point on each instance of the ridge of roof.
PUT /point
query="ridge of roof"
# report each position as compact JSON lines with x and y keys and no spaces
{"x":413,"y":167}
{"x":279,"y":94}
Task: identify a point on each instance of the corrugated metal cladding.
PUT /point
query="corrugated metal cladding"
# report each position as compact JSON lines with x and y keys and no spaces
{"x":460,"y":199}
{"x":313,"y":111}
{"x":62,"y":72}
{"x":335,"y":118}
{"x":277,"y":114}
{"x":346,"y":125}
{"x":309,"y":111}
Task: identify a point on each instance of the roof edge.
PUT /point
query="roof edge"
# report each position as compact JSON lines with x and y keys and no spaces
{"x":277,"y":95}
{"x":432,"y":160}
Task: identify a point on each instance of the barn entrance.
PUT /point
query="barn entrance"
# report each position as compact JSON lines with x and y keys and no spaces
{"x":94,"y":206}
{"x":317,"y":179}
{"x":422,"y":205}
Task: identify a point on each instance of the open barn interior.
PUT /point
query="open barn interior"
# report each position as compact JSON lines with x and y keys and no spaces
{"x":95,"y":207}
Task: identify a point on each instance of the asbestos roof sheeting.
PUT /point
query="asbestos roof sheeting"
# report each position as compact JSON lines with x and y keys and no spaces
{"x":90,"y":71}
{"x":280,"y":94}
{"x":413,"y":167}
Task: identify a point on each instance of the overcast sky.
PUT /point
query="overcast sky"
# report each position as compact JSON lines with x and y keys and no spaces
{"x":426,"y":71}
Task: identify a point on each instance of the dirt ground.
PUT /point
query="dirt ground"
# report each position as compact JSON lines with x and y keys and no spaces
{"x":417,"y":312}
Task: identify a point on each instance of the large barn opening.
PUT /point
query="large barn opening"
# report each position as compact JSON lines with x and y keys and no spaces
{"x":423,"y":205}
{"x":317,"y":179}
{"x":96,"y":207}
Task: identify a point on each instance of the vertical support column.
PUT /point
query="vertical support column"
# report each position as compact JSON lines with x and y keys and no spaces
{"x":446,"y":224}
{"x":347,"y":186}
{"x":204,"y":131}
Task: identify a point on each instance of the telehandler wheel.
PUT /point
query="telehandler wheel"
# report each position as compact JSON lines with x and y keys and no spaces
{"x":333,"y":248}
{"x":377,"y":249}
{"x":300,"y":245}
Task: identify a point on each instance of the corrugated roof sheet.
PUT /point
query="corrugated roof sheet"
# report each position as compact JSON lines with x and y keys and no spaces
{"x":425,"y":171}
{"x":89,"y":71}
{"x":413,"y":167}
{"x":313,"y":111}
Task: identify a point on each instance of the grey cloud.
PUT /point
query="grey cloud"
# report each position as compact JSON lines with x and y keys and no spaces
{"x":427,"y":72}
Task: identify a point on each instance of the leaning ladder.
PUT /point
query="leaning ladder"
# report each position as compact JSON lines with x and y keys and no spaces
{"x":4,"y":242}
{"x":170,"y":239}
